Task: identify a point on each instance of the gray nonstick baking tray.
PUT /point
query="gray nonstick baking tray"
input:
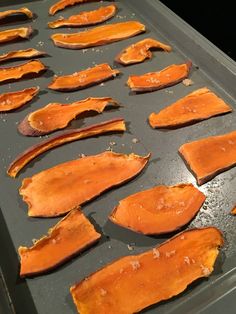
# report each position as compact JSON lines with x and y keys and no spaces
{"x":49,"y":293}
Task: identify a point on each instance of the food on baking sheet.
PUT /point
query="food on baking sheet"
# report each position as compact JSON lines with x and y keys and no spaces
{"x":62,"y":4}
{"x":115,"y":125}
{"x":24,"y":11}
{"x":14,"y":100}
{"x":169,"y":76}
{"x":15,"y":33}
{"x":199,"y":105}
{"x":140,"y":51}
{"x":233,"y":211}
{"x":210,"y":156}
{"x":86,"y":18}
{"x":161,"y":209}
{"x":79,"y":80}
{"x":70,"y":236}
{"x":21,"y":54}
{"x":150,"y":277}
{"x":100,"y":35}
{"x":21,"y":70}
{"x":46,"y":193}
{"x":56,"y":116}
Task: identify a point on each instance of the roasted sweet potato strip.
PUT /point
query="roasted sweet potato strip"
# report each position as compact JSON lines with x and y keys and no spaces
{"x":14,"y":100}
{"x":57,"y":116}
{"x":148,"y":278}
{"x":233,"y":211}
{"x":21,"y":54}
{"x":71,"y":235}
{"x":199,"y":105}
{"x":83,"y":79}
{"x":15,"y":33}
{"x":19,"y":71}
{"x":161,"y":209}
{"x":86,"y":18}
{"x":140,"y":51}
{"x":24,"y":11}
{"x":98,"y":36}
{"x":169,"y":76}
{"x":46,"y":193}
{"x":60,"y":5}
{"x":210,"y":156}
{"x":115,"y":125}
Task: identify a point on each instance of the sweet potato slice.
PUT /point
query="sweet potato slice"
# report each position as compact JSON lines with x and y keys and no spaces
{"x":71,"y":235}
{"x":148,"y":278}
{"x":233,"y":211}
{"x":86,"y":18}
{"x":115,"y":125}
{"x":24,"y":11}
{"x":14,"y":100}
{"x":46,"y":193}
{"x":15,"y":33}
{"x":210,"y":156}
{"x":57,"y":116}
{"x":199,"y":105}
{"x":62,"y":4}
{"x":83,"y":79}
{"x":17,"y":72}
{"x":21,"y":54}
{"x":140,"y":51}
{"x":161,"y":209}
{"x":169,"y":76}
{"x":98,"y":36}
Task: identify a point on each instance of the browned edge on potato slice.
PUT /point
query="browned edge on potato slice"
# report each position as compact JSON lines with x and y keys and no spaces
{"x":24,"y":11}
{"x":140,"y":51}
{"x":62,"y":4}
{"x":83,"y":79}
{"x":161,"y":209}
{"x":56,"y":116}
{"x":152,"y":81}
{"x":70,"y":236}
{"x":21,"y":54}
{"x":100,"y":35}
{"x":210,"y":156}
{"x":197,"y":106}
{"x":46,"y":193}
{"x":150,"y":277}
{"x":15,"y":33}
{"x":19,"y":71}
{"x":86,"y":18}
{"x":114,"y":125}
{"x":14,"y":100}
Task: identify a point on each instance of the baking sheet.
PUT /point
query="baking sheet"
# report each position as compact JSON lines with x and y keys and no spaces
{"x":50,"y":293}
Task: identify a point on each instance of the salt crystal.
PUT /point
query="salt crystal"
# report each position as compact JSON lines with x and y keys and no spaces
{"x":135,"y":265}
{"x":156,"y":253}
{"x":171,"y":253}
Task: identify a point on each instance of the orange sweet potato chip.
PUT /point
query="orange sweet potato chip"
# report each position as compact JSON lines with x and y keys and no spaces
{"x":210,"y":156}
{"x":83,"y":79}
{"x":71,"y":235}
{"x":161,"y":209}
{"x":169,"y":76}
{"x":199,"y":105}
{"x":24,"y":11}
{"x":233,"y":211}
{"x":115,"y":125}
{"x":46,"y":193}
{"x":15,"y":33}
{"x":148,"y":278}
{"x":56,"y":116}
{"x":140,"y":51}
{"x":100,"y":35}
{"x":86,"y":18}
{"x":14,"y":100}
{"x":17,"y":72}
{"x":21,"y":54}
{"x":62,"y":4}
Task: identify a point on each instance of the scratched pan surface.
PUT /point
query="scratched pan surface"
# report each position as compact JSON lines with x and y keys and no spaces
{"x":50,"y":293}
